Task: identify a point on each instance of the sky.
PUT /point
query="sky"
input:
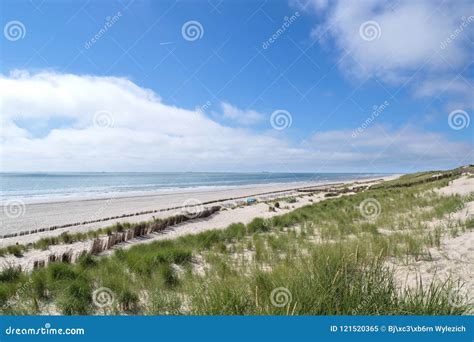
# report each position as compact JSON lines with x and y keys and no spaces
{"x":236,"y":86}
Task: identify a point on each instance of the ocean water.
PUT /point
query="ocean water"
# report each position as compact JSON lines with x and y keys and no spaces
{"x":39,"y":186}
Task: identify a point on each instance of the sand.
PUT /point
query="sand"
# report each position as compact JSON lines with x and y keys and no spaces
{"x":41,"y":215}
{"x":462,"y":186}
{"x":219,"y":220}
{"x":454,"y":259}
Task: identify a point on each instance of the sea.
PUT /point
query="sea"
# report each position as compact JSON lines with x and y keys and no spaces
{"x":39,"y":186}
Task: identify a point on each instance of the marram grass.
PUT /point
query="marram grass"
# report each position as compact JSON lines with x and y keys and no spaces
{"x":322,"y":259}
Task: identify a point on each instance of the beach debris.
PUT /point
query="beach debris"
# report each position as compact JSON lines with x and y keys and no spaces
{"x":331,"y":194}
{"x":251,"y":200}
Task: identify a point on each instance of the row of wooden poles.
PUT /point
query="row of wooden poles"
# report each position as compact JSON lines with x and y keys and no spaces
{"x":101,"y":244}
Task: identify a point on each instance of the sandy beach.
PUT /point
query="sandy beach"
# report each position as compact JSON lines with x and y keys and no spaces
{"x":48,"y":214}
{"x":260,"y":161}
{"x":454,"y":256}
{"x":55,"y":213}
{"x":453,"y":259}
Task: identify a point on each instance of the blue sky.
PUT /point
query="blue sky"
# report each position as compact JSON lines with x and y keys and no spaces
{"x":358,"y":100}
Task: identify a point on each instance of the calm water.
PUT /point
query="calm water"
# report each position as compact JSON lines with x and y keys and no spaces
{"x":37,"y":186}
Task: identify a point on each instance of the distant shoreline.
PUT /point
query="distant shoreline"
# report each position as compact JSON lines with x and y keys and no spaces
{"x":51,"y":187}
{"x":58,"y":213}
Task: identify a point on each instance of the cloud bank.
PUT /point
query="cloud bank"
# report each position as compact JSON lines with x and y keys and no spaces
{"x":65,"y":122}
{"x":245,"y":117}
{"x":423,"y":44}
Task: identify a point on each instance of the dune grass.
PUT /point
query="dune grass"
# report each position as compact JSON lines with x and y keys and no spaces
{"x":322,"y":259}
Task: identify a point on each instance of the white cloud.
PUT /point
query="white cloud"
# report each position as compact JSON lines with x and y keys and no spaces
{"x":457,"y":90}
{"x":148,"y":135}
{"x":438,"y":86}
{"x":244,"y":117}
{"x":381,"y":145}
{"x":410,"y":45}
